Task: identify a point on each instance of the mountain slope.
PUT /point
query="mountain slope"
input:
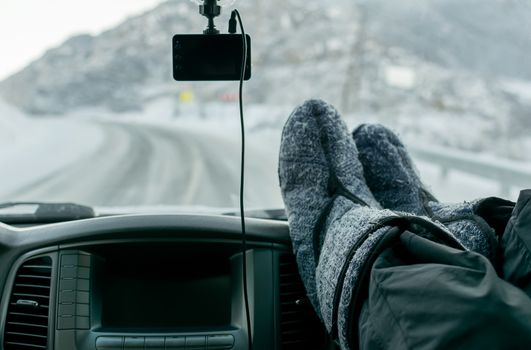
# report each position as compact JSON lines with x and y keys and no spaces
{"x":489,"y":38}
{"x":337,"y":50}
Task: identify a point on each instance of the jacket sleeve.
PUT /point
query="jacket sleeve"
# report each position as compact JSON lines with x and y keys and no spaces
{"x":423,"y":295}
{"x":516,"y":245}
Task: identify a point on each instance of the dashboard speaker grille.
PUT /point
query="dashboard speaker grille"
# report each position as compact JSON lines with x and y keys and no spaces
{"x":300,"y":326}
{"x":26,"y":326}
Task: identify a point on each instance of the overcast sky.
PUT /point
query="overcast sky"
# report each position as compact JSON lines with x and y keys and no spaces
{"x":29,"y":27}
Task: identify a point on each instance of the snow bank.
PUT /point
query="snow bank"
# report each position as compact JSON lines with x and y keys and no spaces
{"x":264,"y":123}
{"x":12,"y":123}
{"x":36,"y":148}
{"x":33,"y":148}
{"x":519,"y":88}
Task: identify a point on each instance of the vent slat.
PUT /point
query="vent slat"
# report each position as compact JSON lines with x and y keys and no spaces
{"x":27,"y":335}
{"x":32,"y":295}
{"x":31,"y":286}
{"x":29,"y":315}
{"x":27,"y":324}
{"x":40,"y":306}
{"x":293,"y":292}
{"x":294,"y":342}
{"x":47,"y":267}
{"x":300,"y":327}
{"x":34,"y":276}
{"x":287,"y":323}
{"x":17,"y":344}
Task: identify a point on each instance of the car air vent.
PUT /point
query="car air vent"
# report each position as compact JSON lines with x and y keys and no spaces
{"x":26,"y":326}
{"x":300,"y":326}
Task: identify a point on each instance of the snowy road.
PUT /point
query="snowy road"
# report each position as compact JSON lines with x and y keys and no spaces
{"x":132,"y":163}
{"x":150,"y":165}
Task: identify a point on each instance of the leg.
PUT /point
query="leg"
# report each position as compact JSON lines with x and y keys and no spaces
{"x":516,"y":245}
{"x":336,"y":226}
{"x":395,"y":183}
{"x":331,"y":235}
{"x":423,"y":295}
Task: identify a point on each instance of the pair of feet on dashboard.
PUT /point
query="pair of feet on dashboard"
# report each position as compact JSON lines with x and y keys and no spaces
{"x":344,"y":192}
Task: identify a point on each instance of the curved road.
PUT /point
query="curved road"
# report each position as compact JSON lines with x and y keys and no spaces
{"x":148,"y":165}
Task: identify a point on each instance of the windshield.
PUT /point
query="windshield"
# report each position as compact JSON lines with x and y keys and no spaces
{"x":89,"y":112}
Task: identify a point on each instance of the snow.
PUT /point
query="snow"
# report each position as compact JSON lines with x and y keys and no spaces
{"x":449,"y":185}
{"x":519,"y":88}
{"x":460,"y":94}
{"x":400,"y":77}
{"x":431,"y":78}
{"x":36,"y":148}
{"x":12,"y":122}
{"x":33,"y":148}
{"x":458,"y":186}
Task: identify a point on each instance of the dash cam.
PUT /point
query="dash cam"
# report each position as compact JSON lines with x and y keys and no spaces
{"x":202,"y":57}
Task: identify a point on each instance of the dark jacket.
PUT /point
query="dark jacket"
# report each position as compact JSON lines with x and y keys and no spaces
{"x":424,"y":295}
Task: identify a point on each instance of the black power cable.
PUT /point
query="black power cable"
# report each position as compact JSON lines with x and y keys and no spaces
{"x":232,"y":29}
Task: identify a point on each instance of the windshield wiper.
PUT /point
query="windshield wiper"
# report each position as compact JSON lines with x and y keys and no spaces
{"x":39,"y":212}
{"x":271,"y":214}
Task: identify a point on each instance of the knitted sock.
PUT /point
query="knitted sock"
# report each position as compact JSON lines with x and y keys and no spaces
{"x":389,"y":170}
{"x":320,"y":173}
{"x":395,"y":183}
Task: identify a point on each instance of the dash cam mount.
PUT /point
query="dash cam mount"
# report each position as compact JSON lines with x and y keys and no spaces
{"x":210,"y":9}
{"x":212,"y":56}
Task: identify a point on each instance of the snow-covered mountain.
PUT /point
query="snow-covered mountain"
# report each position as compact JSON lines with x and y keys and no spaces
{"x":414,"y":64}
{"x":106,"y":70}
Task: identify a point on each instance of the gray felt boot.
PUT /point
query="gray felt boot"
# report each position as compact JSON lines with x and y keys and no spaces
{"x":314,"y":148}
{"x":336,"y":225}
{"x":395,"y":183}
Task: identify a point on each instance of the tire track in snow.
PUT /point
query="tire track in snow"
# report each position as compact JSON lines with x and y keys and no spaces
{"x":141,"y":164}
{"x":100,"y":178}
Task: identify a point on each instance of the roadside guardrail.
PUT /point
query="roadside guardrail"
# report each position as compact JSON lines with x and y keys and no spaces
{"x":506,"y":173}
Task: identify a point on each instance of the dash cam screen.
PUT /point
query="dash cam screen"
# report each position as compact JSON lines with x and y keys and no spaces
{"x":170,"y":293}
{"x":209,"y":57}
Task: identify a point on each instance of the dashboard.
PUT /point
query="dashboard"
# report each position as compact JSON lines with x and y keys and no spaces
{"x":152,"y":282}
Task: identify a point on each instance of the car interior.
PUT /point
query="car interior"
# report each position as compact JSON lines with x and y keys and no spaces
{"x":72,"y":280}
{"x":152,"y":282}
{"x":125,"y":271}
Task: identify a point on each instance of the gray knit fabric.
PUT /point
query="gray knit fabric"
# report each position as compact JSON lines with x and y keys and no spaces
{"x":313,"y":141}
{"x":395,"y":183}
{"x":468,"y":227}
{"x":347,"y":223}
{"x":315,"y":145}
{"x":389,"y":170}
